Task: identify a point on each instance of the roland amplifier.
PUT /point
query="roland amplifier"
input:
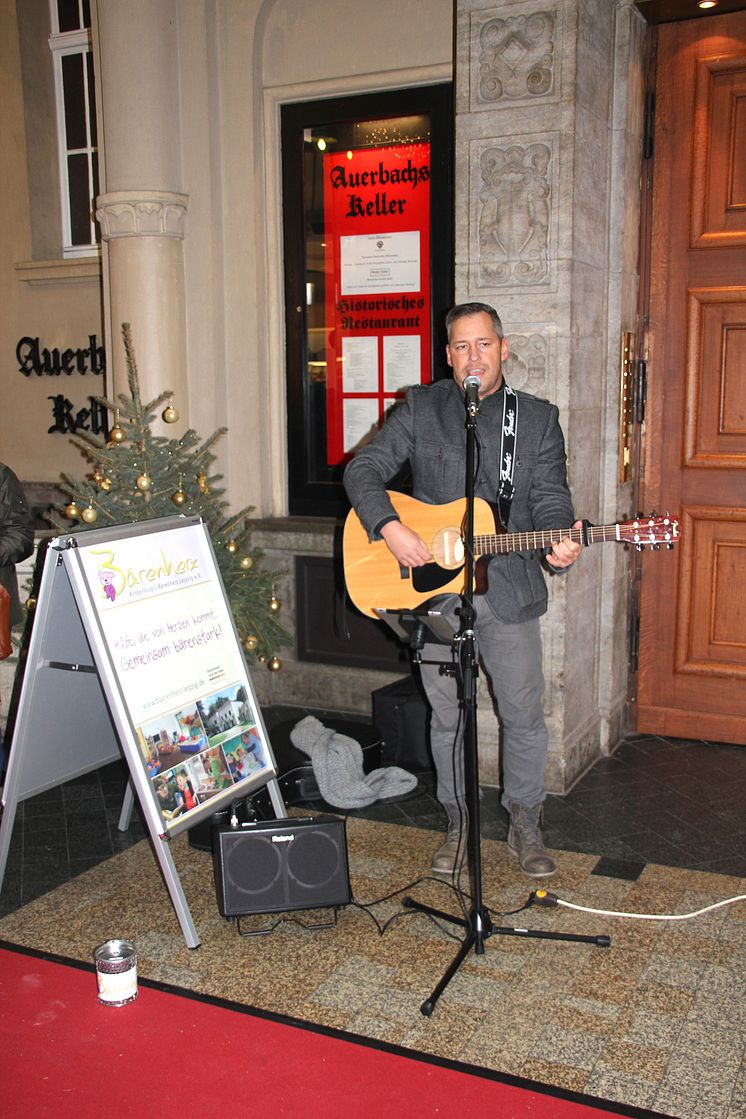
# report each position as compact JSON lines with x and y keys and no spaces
{"x":272,"y":866}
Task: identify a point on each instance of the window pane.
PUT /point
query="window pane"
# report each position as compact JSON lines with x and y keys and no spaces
{"x":91,"y":99}
{"x":79,"y":189}
{"x":69,"y":15}
{"x":94,"y":195}
{"x":72,"y":84}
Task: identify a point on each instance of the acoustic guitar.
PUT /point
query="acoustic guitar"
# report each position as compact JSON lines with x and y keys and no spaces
{"x":375,"y":579}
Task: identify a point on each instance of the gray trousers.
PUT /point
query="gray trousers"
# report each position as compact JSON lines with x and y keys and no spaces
{"x":511,"y":656}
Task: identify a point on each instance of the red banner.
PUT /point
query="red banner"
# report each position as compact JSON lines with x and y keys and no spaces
{"x":377,"y":232}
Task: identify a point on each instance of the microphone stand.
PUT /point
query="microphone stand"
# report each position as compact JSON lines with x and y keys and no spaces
{"x":477,"y":924}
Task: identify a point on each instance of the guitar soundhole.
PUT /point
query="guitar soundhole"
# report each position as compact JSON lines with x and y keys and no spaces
{"x":448,"y":548}
{"x":430,"y":577}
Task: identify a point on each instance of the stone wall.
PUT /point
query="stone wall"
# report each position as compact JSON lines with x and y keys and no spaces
{"x":548,"y":122}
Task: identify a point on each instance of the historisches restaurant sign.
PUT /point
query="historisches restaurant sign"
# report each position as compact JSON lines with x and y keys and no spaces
{"x":377,"y":263}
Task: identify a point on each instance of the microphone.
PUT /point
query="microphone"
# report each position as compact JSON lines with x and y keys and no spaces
{"x":472,"y":385}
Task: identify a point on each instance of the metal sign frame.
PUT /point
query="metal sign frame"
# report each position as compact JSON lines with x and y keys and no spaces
{"x":77,"y":712}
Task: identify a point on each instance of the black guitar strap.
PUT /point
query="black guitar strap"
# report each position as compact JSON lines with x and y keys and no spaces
{"x":507,"y":454}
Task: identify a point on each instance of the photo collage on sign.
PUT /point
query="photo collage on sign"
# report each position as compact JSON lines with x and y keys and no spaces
{"x":195,"y":752}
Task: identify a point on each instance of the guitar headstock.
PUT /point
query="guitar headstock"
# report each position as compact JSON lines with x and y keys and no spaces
{"x":650,"y":531}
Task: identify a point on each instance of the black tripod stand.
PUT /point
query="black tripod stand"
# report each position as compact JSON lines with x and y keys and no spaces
{"x":477,"y":924}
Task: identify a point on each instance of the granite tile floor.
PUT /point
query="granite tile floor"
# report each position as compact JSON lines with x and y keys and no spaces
{"x":655,"y":800}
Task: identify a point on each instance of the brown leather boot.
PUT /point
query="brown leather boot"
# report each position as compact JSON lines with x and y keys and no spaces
{"x":525,"y":841}
{"x":451,"y":856}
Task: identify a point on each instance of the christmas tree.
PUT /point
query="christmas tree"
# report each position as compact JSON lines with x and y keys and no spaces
{"x":138,"y":476}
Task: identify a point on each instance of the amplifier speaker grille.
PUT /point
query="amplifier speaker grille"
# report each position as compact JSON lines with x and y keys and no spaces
{"x":274,"y":866}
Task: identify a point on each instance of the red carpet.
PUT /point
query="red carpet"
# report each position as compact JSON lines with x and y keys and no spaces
{"x":64,"y":1054}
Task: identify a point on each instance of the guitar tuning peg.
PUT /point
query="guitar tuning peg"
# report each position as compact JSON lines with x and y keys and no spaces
{"x":640,"y":547}
{"x":655,"y":547}
{"x":669,"y":545}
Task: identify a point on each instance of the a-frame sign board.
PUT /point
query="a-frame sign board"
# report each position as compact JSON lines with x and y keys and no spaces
{"x":134,"y":653}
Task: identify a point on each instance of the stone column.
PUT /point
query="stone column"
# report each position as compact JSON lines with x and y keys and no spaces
{"x":547,"y":181}
{"x":143,"y":210}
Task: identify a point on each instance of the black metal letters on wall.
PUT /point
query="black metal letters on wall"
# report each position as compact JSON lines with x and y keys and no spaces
{"x":40,"y":361}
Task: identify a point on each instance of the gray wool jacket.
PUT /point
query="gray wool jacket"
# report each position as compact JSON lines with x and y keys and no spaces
{"x":428,"y":429}
{"x":16,"y":536}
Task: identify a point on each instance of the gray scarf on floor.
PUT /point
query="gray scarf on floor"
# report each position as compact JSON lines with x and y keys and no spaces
{"x":338,"y":767}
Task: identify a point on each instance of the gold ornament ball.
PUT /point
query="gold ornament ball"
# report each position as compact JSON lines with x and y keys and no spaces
{"x":89,"y":515}
{"x":274,"y":664}
{"x":170,"y":415}
{"x":250,"y":643}
{"x":72,"y":512}
{"x":30,"y":603}
{"x":179,"y":497}
{"x":231,"y":547}
{"x":275,"y":604}
{"x":261,"y":658}
{"x":247,"y":563}
{"x":143,"y":483}
{"x":117,"y":435}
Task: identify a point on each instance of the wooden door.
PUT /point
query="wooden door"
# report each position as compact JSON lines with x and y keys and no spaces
{"x":692,"y":656}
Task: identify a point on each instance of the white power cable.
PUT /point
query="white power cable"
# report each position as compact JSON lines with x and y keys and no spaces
{"x":652,"y":916}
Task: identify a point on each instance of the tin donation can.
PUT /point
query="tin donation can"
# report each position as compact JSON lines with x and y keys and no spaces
{"x":116,"y":969}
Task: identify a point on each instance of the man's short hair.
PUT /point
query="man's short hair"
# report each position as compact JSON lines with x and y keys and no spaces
{"x":463,"y":310}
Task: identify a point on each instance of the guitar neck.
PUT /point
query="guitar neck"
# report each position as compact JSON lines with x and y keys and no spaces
{"x":500,"y":543}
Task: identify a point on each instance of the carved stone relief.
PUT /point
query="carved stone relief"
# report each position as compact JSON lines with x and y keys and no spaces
{"x":527,"y":367}
{"x":514,"y":215}
{"x":516,"y":58}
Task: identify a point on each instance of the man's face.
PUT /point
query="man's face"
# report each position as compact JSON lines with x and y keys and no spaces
{"x":475,"y":348}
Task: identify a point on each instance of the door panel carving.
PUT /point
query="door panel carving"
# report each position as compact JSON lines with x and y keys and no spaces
{"x":719,"y":164}
{"x":715,"y":420}
{"x":711,"y":629}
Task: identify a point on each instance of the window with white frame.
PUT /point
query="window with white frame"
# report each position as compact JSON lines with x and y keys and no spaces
{"x":70,"y":43}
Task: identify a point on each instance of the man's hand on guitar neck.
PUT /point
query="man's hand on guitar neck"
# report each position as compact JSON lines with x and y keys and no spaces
{"x":410,"y":550}
{"x":565,"y":551}
{"x":405,"y":545}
